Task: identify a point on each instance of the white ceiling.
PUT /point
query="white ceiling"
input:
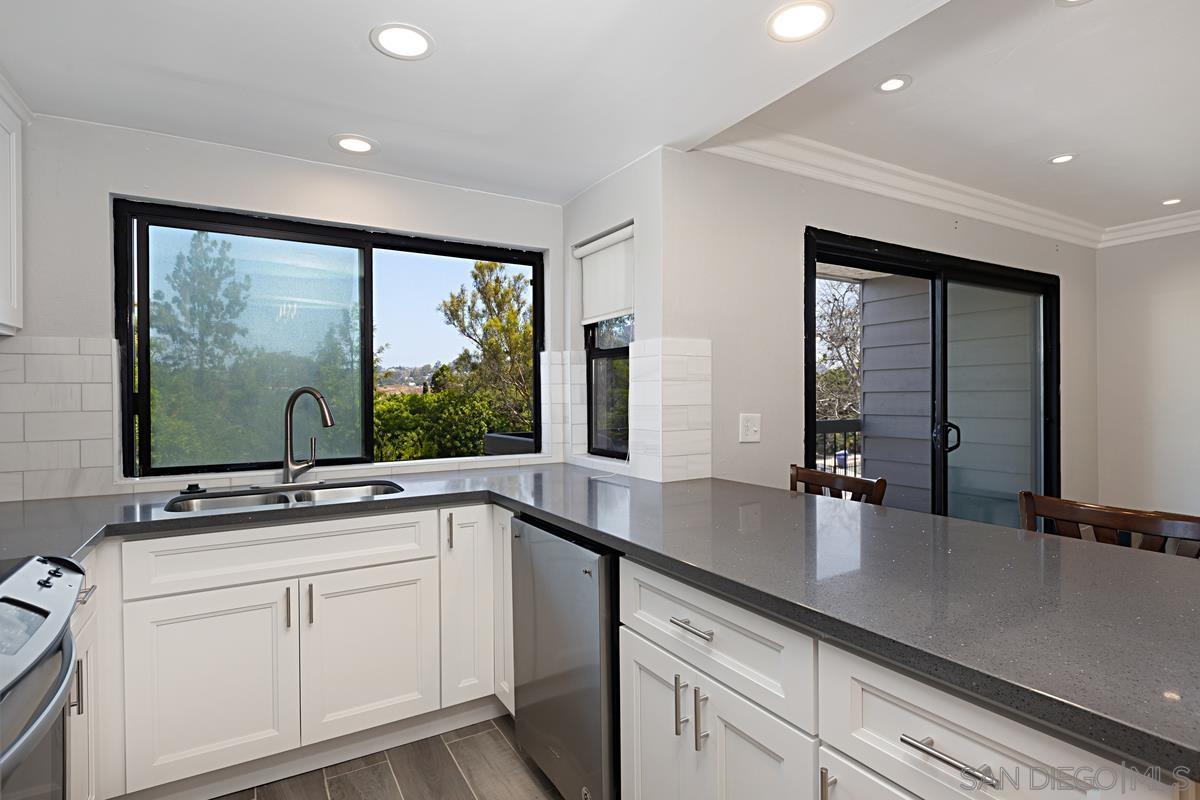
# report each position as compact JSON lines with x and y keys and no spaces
{"x":534,"y":98}
{"x":1000,"y":86}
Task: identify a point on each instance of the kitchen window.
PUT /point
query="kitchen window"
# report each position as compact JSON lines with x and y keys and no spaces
{"x":422,"y":348}
{"x":607,"y":344}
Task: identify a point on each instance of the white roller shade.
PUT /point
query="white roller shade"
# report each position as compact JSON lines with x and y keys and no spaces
{"x":607,"y":275}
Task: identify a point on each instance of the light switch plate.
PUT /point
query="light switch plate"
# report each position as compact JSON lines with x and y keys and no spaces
{"x":750,"y":428}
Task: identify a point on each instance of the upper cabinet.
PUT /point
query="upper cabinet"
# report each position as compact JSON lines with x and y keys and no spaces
{"x":13,"y":115}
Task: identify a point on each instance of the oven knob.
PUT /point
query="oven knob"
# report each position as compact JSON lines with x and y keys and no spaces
{"x":45,"y":583}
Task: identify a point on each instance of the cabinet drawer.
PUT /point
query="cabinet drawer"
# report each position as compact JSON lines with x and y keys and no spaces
{"x":848,"y":780}
{"x":767,"y":662}
{"x":866,"y":708}
{"x":200,"y":561}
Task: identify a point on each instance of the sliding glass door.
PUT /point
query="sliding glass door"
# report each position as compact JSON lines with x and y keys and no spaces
{"x":995,"y":367}
{"x":937,"y":373}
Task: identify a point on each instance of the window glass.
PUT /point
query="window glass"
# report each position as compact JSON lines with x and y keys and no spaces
{"x":454,"y":357}
{"x":608,"y":386}
{"x":236,"y":323}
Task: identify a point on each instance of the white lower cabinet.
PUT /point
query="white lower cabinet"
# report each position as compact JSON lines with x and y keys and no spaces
{"x":505,"y":665}
{"x":686,"y":735}
{"x":212,"y":679}
{"x":81,"y":717}
{"x":468,"y":600}
{"x":368,"y":648}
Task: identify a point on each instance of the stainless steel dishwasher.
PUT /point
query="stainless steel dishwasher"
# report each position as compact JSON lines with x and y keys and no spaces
{"x":562,"y":648}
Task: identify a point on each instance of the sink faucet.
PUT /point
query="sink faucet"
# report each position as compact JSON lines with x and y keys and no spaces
{"x":292,"y":468}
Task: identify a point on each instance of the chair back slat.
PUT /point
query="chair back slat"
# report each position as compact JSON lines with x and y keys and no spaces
{"x":1109,"y":524}
{"x":862,"y":490}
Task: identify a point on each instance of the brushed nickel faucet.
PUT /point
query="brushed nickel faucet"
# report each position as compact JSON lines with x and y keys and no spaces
{"x":292,"y":468}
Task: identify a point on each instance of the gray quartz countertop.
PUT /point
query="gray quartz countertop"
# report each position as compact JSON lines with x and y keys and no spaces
{"x":1093,"y":643}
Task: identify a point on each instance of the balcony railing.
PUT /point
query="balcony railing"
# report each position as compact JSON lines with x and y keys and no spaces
{"x":839,"y":446}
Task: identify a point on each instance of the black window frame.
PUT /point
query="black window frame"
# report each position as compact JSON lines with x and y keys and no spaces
{"x":131,"y":222}
{"x":593,"y":354}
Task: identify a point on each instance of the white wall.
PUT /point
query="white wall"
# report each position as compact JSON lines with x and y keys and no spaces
{"x":55,"y":394}
{"x":1149,"y":385}
{"x":733,"y":272}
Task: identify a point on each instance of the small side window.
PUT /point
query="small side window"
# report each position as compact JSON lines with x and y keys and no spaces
{"x":607,"y":344}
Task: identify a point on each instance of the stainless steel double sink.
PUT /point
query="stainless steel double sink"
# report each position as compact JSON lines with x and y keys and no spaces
{"x":281,"y":495}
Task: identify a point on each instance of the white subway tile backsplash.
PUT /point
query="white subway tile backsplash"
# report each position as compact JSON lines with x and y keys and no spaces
{"x":645,"y":368}
{"x":686,"y":393}
{"x":699,"y":368}
{"x":686,"y":443}
{"x":40,"y":397}
{"x":699,"y":417}
{"x":97,"y":397}
{"x":10,"y":486}
{"x":96,"y":453}
{"x":39,"y":344}
{"x":42,"y":484}
{"x":68,"y":369}
{"x":96,"y":347}
{"x":12,"y":427}
{"x":52,"y":426}
{"x":12,"y":368}
{"x":21,"y":456}
{"x":674,"y":418}
{"x":645,"y":393}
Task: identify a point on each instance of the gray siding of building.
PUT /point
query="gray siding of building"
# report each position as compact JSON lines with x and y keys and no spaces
{"x":994,"y":382}
{"x":896,"y":375}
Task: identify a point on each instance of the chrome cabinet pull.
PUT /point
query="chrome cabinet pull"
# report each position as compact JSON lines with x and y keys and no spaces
{"x":679,"y":719}
{"x":925,"y":747}
{"x":687,"y":625}
{"x":697,"y":699}
{"x":77,"y":703}
{"x":287,"y":602}
{"x":450,"y":534}
{"x":312,"y":606}
{"x":87,"y":595}
{"x":827,"y":782}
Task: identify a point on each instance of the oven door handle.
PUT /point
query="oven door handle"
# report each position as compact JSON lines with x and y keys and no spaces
{"x":48,"y":714}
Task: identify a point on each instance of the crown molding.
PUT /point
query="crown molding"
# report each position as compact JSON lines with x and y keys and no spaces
{"x":812,"y":159}
{"x":1188,"y":222}
{"x":9,"y":96}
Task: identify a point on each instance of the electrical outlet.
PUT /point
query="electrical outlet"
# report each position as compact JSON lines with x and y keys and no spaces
{"x":750,"y":428}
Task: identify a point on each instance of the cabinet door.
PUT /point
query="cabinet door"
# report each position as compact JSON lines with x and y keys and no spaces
{"x":468,"y":648}
{"x":743,"y":750}
{"x":848,"y":780}
{"x":10,"y":220}
{"x":211,"y":679}
{"x":502,"y":564}
{"x":81,"y":717}
{"x":654,"y":749}
{"x":368,"y":647}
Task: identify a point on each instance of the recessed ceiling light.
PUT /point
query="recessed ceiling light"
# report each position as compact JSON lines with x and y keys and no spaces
{"x":894,"y":83}
{"x":797,"y":21}
{"x":1063,"y":159}
{"x":352,"y":143}
{"x":1070,"y":3}
{"x":407,"y":42}
{"x":1174,"y":201}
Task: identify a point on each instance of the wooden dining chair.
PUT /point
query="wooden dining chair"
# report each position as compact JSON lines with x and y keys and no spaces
{"x":863,"y":490}
{"x":1156,"y":530}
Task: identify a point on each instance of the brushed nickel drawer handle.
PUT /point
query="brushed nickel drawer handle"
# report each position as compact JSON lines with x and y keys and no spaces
{"x":87,"y":595}
{"x":680,"y":685}
{"x":697,"y":699}
{"x":77,"y":704}
{"x":827,"y":782}
{"x":687,"y":625}
{"x":925,"y":747}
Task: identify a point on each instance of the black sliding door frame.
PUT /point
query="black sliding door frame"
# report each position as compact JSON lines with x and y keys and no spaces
{"x":829,"y":247}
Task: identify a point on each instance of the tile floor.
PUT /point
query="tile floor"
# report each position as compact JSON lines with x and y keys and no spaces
{"x":478,"y":762}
